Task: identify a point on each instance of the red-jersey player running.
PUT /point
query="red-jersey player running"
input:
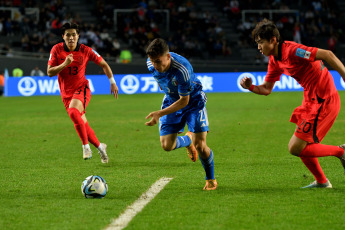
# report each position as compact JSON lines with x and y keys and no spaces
{"x":68,"y":60}
{"x":321,"y":102}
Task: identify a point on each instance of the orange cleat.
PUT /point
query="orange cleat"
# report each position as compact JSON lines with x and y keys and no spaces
{"x":191,"y":150}
{"x":211,"y":184}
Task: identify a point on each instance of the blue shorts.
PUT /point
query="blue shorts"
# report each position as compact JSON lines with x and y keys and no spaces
{"x":194,"y":115}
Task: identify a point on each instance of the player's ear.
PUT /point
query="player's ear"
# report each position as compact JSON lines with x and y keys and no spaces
{"x":168,"y":55}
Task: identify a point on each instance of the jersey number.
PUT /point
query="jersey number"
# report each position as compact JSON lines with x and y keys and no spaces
{"x":73,"y":70}
{"x":203,"y":117}
{"x":306,"y":126}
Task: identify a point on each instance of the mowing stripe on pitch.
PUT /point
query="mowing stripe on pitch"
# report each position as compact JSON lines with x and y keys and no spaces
{"x":122,"y":221}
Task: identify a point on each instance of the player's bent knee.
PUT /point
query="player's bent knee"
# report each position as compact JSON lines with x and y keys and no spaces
{"x":200,"y":148}
{"x":166,"y":146}
{"x":295,"y":150}
{"x":296,"y":145}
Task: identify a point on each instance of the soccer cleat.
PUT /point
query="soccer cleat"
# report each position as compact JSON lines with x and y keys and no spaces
{"x":211,"y":184}
{"x":342,"y":158}
{"x":316,"y":184}
{"x":191,"y":150}
{"x":87,"y":153}
{"x":103,"y":153}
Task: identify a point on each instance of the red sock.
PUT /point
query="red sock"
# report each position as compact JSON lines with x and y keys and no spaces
{"x":314,"y":167}
{"x":79,"y":125}
{"x":91,"y":135}
{"x":320,"y":150}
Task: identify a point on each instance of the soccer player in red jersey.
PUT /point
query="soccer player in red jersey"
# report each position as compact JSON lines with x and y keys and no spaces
{"x":68,"y":60}
{"x":321,"y":102}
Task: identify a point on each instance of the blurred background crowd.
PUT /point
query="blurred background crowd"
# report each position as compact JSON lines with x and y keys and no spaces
{"x":214,"y":30}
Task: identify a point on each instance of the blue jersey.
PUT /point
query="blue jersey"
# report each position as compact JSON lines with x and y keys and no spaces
{"x":178,"y":80}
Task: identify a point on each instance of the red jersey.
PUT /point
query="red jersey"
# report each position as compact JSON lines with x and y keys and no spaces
{"x":73,"y":76}
{"x":298,"y":61}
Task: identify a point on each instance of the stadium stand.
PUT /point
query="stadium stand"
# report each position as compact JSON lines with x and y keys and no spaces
{"x":216,"y":31}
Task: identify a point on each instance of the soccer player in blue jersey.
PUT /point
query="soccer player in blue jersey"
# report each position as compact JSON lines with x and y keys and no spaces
{"x":183,"y":103}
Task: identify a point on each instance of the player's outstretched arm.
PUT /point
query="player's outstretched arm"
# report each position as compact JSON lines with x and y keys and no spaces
{"x":329,"y":57}
{"x":107,"y":70}
{"x":52,"y":71}
{"x":263,"y":89}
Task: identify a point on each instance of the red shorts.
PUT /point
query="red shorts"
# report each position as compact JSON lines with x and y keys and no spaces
{"x":315,"y":117}
{"x":83,"y":94}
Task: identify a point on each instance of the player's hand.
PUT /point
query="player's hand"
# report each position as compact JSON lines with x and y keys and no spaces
{"x":246,"y":82}
{"x":114,"y":90}
{"x":69,"y":59}
{"x":154,"y":118}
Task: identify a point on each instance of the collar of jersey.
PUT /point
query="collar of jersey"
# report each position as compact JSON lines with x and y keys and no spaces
{"x":171,"y":63}
{"x":67,"y":50}
{"x":279,"y":58}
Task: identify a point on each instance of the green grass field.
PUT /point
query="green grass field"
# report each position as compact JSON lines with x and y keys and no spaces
{"x":259,"y":182}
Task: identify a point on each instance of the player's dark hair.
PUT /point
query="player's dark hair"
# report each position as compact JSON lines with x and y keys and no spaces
{"x":69,"y":25}
{"x":157,"y":48}
{"x":265,"y":29}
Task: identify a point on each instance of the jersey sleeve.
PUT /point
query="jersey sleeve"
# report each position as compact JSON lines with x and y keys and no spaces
{"x":273,"y":71}
{"x":301,"y":52}
{"x":94,"y":56}
{"x":53,"y":57}
{"x":183,"y":77}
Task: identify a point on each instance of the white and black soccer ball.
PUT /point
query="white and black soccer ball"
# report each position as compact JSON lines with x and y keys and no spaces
{"x":94,"y":187}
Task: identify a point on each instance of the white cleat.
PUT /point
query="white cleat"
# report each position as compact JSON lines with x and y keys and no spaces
{"x":87,"y":153}
{"x":316,"y":184}
{"x":342,"y":158}
{"x":103,"y":153}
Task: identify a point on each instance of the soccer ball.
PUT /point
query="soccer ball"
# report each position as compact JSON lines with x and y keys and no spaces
{"x":94,"y":187}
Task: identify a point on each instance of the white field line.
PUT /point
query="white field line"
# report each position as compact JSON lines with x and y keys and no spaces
{"x":123,"y":220}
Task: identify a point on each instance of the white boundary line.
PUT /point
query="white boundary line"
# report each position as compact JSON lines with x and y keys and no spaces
{"x":123,"y":220}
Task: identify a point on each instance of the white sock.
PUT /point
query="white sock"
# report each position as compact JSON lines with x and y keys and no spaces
{"x":100,"y":147}
{"x":87,"y":146}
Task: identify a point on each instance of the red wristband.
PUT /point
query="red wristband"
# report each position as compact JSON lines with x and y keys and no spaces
{"x":251,"y":88}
